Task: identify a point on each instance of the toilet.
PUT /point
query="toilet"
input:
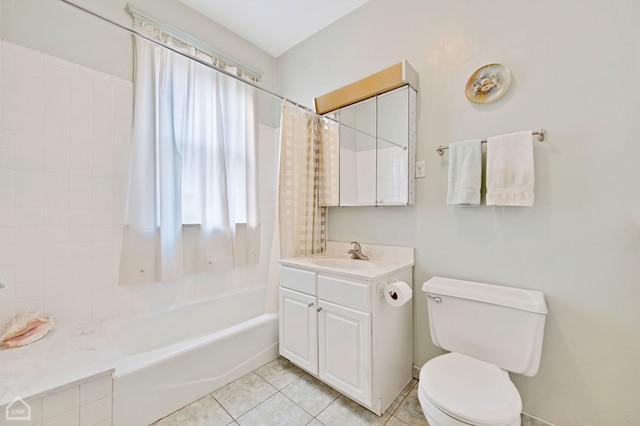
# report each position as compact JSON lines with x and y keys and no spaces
{"x":489,"y":330}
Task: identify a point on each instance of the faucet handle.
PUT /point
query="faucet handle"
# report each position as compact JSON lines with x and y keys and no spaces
{"x":356,"y":245}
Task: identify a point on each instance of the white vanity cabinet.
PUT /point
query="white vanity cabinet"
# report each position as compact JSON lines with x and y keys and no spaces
{"x":343,"y":332}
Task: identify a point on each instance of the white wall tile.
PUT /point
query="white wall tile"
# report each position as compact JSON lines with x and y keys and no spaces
{"x":102,"y":161}
{"x":28,"y":217}
{"x":28,"y":179}
{"x":80,"y":250}
{"x":27,"y":156}
{"x":57,"y":252}
{"x":8,"y":119}
{"x":27,"y":253}
{"x":55,"y":288}
{"x":6,"y":197}
{"x":26,"y":235}
{"x":80,"y":133}
{"x":28,"y":273}
{"x":60,"y":402}
{"x":6,"y":178}
{"x":29,"y":291}
{"x":79,"y":300}
{"x":7,"y":216}
{"x":56,"y":91}
{"x":56,"y":181}
{"x":56,"y":307}
{"x":56,"y":216}
{"x":95,"y":390}
{"x":28,"y":198}
{"x":7,"y":236}
{"x":7,"y":296}
{"x":6,"y":155}
{"x":7,"y":256}
{"x":103,"y":137}
{"x":70,"y":418}
{"x":80,"y":200}
{"x":56,"y":270}
{"x":80,"y":315}
{"x":80,"y":157}
{"x":95,"y":412}
{"x":80,"y":183}
{"x":81,"y":99}
{"x":103,"y":97}
{"x":31,"y":306}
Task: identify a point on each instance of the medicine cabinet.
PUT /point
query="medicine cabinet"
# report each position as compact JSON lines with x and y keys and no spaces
{"x":377,"y":138}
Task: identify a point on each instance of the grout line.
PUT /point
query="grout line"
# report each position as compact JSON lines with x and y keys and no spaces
{"x":222,"y":406}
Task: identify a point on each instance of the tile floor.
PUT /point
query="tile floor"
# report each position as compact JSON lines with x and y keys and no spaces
{"x":281,"y":394}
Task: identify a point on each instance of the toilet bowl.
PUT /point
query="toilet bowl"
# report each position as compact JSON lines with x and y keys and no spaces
{"x":457,"y":390}
{"x":488,"y":331}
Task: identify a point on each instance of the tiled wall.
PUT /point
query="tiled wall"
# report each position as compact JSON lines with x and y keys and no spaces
{"x":63,"y":156}
{"x":64,"y":151}
{"x":87,"y":404}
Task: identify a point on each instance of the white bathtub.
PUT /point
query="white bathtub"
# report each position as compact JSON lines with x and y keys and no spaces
{"x":167,"y":359}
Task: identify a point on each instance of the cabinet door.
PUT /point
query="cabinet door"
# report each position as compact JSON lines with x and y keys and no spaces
{"x":298,"y":329}
{"x":344,"y":337}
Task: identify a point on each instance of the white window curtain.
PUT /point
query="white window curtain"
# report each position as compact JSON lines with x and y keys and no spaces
{"x":192,"y":202}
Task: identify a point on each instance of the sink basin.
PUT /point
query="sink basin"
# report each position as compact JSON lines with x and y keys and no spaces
{"x":341,"y":263}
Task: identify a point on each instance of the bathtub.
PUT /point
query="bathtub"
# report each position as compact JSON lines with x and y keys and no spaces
{"x":167,"y":359}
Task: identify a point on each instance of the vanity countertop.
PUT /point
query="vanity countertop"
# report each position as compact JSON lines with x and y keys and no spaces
{"x":71,"y":354}
{"x":383,"y":261}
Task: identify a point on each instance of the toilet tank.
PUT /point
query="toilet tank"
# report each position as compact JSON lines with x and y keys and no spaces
{"x":497,"y":324}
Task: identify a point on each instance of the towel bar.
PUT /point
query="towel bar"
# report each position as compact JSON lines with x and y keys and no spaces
{"x":542,"y":135}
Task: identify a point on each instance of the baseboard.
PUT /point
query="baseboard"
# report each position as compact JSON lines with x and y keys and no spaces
{"x":416,"y":372}
{"x":529,"y":420}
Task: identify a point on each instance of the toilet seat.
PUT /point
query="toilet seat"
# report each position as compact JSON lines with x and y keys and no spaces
{"x":471,"y":391}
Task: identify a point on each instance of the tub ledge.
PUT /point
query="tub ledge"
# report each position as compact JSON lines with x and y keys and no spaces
{"x":70,"y":355}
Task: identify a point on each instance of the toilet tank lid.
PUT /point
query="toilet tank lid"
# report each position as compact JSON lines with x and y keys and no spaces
{"x":517,"y":298}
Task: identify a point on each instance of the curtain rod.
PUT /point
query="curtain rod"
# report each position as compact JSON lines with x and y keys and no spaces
{"x":221,"y":71}
{"x":198,"y":60}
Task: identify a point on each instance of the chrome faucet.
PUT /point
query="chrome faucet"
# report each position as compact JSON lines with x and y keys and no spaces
{"x":356,"y":251}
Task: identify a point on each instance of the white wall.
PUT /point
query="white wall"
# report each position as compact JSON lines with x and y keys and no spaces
{"x":575,"y":66}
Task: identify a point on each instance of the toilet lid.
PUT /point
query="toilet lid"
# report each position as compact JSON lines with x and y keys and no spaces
{"x":470,"y":390}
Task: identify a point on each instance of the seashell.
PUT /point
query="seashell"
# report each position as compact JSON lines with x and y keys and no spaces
{"x":26,"y":328}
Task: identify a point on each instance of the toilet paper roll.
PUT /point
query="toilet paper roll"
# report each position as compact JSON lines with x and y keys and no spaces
{"x":397,"y":293}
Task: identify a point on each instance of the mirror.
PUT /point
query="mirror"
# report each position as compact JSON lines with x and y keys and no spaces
{"x":377,"y":150}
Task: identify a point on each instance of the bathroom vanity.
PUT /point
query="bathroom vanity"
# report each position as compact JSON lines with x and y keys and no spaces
{"x":336,"y":324}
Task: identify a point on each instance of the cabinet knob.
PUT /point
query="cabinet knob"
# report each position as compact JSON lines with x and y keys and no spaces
{"x":319,"y":308}
{"x":310,"y":304}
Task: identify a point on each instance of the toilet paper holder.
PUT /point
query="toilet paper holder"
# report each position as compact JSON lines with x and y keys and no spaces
{"x":382,"y":288}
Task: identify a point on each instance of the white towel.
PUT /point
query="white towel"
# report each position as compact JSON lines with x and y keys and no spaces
{"x":465,"y":172}
{"x":510,"y":176}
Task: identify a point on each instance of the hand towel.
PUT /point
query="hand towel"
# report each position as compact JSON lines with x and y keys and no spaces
{"x":510,"y":176}
{"x":465,"y":172}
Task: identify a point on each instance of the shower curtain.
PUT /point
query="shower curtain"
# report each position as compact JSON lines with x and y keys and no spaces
{"x":307,"y":182}
{"x":192,"y":202}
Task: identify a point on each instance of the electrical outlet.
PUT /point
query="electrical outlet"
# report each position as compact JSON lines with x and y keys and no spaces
{"x":421,"y":169}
